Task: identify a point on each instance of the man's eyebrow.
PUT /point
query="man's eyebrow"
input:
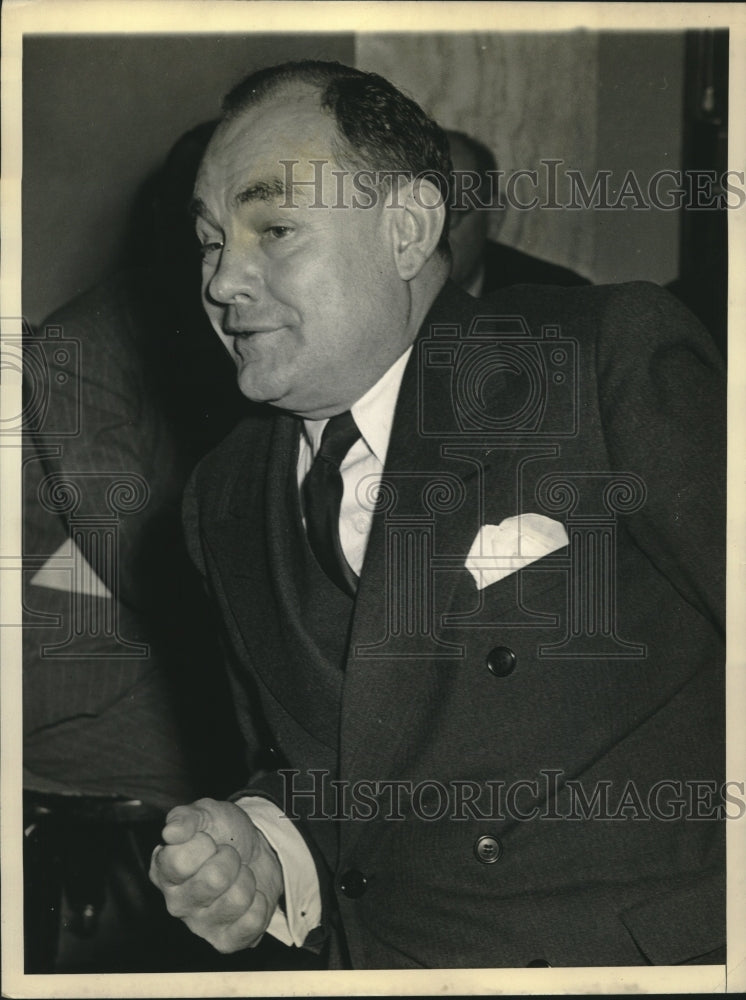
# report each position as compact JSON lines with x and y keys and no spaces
{"x":261,"y":191}
{"x":198,"y":209}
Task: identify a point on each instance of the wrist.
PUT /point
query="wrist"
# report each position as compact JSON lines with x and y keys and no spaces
{"x":267,"y":871}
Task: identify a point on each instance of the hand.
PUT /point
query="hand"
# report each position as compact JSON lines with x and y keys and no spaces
{"x":218,"y":874}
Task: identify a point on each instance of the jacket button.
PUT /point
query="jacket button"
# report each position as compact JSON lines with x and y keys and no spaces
{"x":353,"y":883}
{"x":488,"y":850}
{"x":539,"y":963}
{"x":501,"y":661}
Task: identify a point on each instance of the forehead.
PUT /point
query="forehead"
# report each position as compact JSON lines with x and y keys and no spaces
{"x":250,"y":148}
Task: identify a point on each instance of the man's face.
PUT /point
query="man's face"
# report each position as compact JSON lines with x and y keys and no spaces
{"x":307,"y":299}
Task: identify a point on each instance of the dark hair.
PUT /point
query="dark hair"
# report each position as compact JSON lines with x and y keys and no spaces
{"x":381,"y":128}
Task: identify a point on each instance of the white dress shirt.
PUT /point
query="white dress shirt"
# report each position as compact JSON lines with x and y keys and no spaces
{"x":361,"y":471}
{"x":362,"y":467}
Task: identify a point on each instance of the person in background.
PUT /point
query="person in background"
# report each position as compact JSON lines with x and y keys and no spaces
{"x":482,"y":265}
{"x":118,"y":629}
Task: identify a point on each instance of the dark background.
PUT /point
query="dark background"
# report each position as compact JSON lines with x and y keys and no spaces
{"x":100,"y":113}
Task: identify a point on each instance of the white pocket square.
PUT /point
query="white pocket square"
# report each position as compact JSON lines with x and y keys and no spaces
{"x":502,"y":549}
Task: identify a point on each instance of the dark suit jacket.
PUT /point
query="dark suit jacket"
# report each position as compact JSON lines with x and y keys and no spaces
{"x":505,"y":266}
{"x":604,"y":412}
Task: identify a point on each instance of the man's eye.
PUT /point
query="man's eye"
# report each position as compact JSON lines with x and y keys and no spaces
{"x":208,"y":249}
{"x":279,"y":232}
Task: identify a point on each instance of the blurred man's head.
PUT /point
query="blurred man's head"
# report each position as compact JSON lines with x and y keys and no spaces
{"x":469,"y":226}
{"x":317,"y":271}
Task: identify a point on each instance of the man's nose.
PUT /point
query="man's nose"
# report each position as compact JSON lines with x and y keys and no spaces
{"x":237,"y":273}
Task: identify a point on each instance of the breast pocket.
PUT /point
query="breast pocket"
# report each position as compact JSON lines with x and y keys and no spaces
{"x":532,"y":597}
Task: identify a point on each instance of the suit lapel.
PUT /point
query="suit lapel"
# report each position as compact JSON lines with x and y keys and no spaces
{"x":260,"y":583}
{"x":399,"y":665}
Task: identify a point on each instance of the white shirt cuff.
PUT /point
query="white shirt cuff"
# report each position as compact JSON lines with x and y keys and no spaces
{"x":302,"y":892}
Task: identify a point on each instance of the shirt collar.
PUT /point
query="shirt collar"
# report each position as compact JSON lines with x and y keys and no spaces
{"x":476,"y":284}
{"x":373,"y":412}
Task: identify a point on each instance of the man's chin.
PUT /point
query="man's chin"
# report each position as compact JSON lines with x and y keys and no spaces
{"x":257,"y":390}
{"x":251,"y":392}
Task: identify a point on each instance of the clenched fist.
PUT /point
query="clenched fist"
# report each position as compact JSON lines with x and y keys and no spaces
{"x":217,"y":873}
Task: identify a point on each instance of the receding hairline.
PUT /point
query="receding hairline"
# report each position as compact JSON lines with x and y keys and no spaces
{"x":273,"y":90}
{"x":386,"y":150}
{"x":341,"y":152}
{"x":268,"y":182}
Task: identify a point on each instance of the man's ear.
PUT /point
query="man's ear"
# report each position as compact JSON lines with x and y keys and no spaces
{"x":418,"y":220}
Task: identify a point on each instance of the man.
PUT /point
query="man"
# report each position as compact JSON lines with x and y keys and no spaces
{"x":481,"y":265}
{"x":470,"y":741}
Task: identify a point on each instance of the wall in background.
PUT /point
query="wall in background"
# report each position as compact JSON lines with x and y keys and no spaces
{"x":526,"y":96}
{"x":640,"y":127}
{"x":100,"y":114}
{"x":596,"y":101}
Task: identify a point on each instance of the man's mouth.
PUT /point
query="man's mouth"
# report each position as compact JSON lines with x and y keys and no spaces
{"x":245,"y":333}
{"x":245,"y":343}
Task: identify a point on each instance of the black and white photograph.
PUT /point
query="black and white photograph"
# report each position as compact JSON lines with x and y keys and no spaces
{"x":373,"y":517}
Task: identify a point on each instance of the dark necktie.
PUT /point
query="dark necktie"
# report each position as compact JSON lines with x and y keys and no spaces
{"x":322,"y":497}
